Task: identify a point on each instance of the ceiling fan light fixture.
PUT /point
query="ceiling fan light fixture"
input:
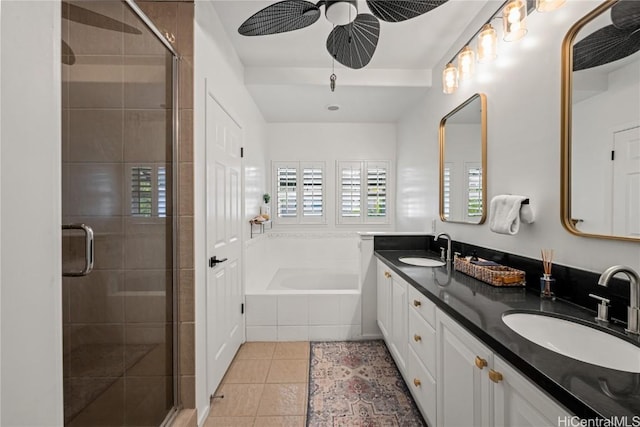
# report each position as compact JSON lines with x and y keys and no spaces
{"x":341,"y":12}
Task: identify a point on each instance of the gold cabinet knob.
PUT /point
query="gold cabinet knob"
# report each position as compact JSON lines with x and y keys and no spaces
{"x":495,"y":376}
{"x":387,"y":274}
{"x":480,"y":362}
{"x":417,"y":303}
{"x":417,"y":338}
{"x":417,"y":382}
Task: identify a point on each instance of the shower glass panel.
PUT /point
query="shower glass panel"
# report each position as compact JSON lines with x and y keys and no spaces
{"x":117,"y":169}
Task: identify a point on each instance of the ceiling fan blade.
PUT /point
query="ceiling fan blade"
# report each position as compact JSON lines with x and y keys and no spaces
{"x":288,"y":15}
{"x":401,"y":10}
{"x":85,"y":16}
{"x":68,"y":57}
{"x":353,"y":44}
{"x":608,"y":44}
{"x":626,"y":14}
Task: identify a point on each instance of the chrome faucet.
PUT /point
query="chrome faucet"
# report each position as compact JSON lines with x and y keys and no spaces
{"x":633,"y":311}
{"x":448,"y":244}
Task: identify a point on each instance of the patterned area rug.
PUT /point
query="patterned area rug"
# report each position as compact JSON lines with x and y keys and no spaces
{"x":357,"y":384}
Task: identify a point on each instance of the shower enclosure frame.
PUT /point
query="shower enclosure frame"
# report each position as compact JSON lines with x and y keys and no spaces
{"x":170,"y":416}
{"x":175,"y":197}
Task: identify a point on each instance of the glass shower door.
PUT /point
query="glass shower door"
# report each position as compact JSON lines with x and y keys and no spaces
{"x":117,"y":161}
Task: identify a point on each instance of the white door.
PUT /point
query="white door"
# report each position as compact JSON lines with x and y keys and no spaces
{"x":224,"y":239}
{"x":626,"y":183}
{"x":399,"y":321}
{"x":383,"y":299}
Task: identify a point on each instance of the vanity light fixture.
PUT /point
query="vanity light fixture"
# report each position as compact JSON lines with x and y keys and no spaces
{"x":514,"y":14}
{"x":466,"y":63}
{"x":513,"y":20}
{"x":549,"y":5}
{"x":450,"y":79}
{"x":487,"y":44}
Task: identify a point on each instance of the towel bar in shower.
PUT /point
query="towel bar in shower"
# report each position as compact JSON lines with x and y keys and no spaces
{"x":88,"y":249}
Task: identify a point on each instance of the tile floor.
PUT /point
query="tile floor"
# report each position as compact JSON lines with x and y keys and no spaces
{"x":266,"y":385}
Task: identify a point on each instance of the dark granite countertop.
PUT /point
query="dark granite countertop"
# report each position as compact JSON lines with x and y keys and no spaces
{"x":587,"y":390}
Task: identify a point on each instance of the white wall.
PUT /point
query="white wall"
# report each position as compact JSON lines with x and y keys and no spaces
{"x":523,"y":96}
{"x":31,"y":293}
{"x":328,"y":142}
{"x":217,"y":63}
{"x":592,"y":141}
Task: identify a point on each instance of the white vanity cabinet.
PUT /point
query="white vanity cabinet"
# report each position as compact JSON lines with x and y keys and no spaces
{"x":476,"y":387}
{"x":463,"y":388}
{"x":517,"y":402}
{"x":383,"y":303}
{"x":454,"y":378}
{"x":421,"y":356}
{"x":392,"y":313}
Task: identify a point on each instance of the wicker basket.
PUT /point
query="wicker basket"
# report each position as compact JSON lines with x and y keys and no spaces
{"x":493,"y":275}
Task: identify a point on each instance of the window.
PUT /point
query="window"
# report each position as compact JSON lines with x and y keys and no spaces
{"x":300,"y":192}
{"x":362,"y":192}
{"x":474,"y":190}
{"x":148,"y":189}
{"x":446,"y":190}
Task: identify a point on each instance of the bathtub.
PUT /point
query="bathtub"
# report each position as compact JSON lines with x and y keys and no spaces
{"x":303,"y":287}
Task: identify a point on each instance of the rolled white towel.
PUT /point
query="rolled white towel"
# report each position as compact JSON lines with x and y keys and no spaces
{"x":504,"y":213}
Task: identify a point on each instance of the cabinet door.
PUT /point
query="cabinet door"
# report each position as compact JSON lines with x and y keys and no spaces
{"x":384,"y":299}
{"x":399,"y":321}
{"x":517,"y":402}
{"x":422,"y":386}
{"x":464,"y":395}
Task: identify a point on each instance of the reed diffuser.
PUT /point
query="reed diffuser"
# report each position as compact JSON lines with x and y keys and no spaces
{"x":547,"y":283}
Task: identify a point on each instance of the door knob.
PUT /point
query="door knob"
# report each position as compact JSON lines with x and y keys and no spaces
{"x":213,"y":261}
{"x":417,"y":337}
{"x":417,"y":382}
{"x":417,"y":303}
{"x":387,"y":274}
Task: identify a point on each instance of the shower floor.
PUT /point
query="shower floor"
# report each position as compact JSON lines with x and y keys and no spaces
{"x":93,"y":369}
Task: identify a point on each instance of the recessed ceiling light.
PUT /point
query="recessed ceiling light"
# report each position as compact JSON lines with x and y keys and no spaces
{"x":333,"y":107}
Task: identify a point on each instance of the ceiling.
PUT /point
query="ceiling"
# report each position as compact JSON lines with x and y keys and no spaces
{"x":288,"y":74}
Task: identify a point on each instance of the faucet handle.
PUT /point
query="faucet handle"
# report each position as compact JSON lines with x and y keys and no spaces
{"x":442,"y":253}
{"x":603,"y":308}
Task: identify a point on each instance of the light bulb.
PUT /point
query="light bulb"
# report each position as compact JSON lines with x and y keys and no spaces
{"x":549,"y":5}
{"x":513,"y":20}
{"x":487,"y":44}
{"x":449,"y":79}
{"x":466,"y":63}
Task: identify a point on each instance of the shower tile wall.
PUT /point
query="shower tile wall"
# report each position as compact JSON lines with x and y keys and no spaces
{"x":176,"y":18}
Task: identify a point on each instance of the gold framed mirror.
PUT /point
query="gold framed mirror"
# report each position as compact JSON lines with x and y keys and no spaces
{"x":463,"y":162}
{"x":600,"y":123}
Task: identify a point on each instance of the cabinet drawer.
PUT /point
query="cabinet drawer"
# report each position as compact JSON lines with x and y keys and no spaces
{"x":422,"y":386}
{"x":422,"y":338}
{"x":423,"y":306}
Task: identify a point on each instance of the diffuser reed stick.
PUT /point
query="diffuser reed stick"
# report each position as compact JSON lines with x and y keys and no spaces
{"x":547,"y":260}
{"x":546,"y":282}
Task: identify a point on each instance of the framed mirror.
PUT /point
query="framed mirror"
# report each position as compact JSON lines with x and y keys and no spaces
{"x":463,"y":162}
{"x":600,"y":189}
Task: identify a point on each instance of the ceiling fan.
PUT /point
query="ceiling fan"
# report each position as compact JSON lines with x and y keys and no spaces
{"x":612,"y":42}
{"x":354,"y":38}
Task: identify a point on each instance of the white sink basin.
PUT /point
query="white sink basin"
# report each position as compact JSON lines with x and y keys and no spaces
{"x":576,"y":341}
{"x":421,"y":262}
